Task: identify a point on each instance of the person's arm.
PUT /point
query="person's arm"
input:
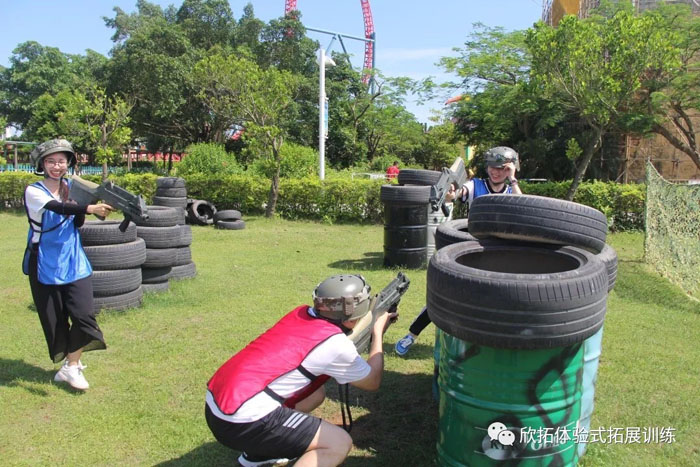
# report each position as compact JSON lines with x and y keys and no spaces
{"x":514,"y":185}
{"x":373,"y":380}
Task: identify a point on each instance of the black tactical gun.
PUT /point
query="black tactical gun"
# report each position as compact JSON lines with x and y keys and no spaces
{"x":454,"y":175}
{"x":385,"y":301}
{"x":86,"y":192}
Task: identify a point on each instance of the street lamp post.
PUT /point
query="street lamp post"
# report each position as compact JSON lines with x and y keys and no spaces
{"x":322,"y":117}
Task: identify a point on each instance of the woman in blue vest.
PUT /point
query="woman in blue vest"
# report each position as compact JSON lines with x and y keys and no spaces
{"x":501,"y":164}
{"x":59,"y":272}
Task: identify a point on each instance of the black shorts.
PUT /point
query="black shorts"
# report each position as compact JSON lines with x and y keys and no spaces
{"x":284,"y":432}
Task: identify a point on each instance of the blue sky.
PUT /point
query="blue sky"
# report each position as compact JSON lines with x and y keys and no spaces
{"x":411,"y":35}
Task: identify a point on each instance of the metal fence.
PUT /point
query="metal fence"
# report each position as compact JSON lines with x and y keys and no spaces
{"x":84,"y":169}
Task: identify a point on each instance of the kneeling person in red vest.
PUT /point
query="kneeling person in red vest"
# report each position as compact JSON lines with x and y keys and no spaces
{"x":259,"y":401}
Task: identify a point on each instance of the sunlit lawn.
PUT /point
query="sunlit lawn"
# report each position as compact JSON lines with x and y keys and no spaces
{"x":145,"y":405}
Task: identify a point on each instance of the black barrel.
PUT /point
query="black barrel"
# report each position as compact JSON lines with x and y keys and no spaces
{"x":405,"y":225}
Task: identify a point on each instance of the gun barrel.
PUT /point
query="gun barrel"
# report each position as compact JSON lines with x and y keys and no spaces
{"x":392,"y":293}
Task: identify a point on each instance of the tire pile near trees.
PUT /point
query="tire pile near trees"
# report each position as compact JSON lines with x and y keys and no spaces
{"x":116,"y":258}
{"x":167,"y":239}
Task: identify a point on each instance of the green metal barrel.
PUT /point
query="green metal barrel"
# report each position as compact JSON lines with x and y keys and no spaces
{"x":498,"y":405}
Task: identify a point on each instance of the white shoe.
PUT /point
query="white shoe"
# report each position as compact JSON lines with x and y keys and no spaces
{"x":73,"y":375}
{"x":245,"y":462}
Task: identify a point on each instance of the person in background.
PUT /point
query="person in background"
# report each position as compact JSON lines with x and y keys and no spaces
{"x":259,"y":401}
{"x":501,"y":164}
{"x":392,"y":171}
{"x":58,"y":269}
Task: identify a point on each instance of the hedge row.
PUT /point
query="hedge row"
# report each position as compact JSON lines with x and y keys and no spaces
{"x":342,"y":200}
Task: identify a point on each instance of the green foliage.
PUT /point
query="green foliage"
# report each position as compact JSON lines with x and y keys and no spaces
{"x":340,"y":198}
{"x":573,"y":150}
{"x":12,"y":185}
{"x":380,"y":164}
{"x":336,"y":200}
{"x":242,"y":192}
{"x":208,"y":159}
{"x":623,"y":205}
{"x":297,"y":162}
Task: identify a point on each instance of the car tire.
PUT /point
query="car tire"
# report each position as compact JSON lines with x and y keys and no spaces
{"x":419,"y":177}
{"x":183,"y":271}
{"x":230,"y":225}
{"x":118,"y":302}
{"x":453,"y":231}
{"x":404,"y":194}
{"x":538,"y":219}
{"x":170,"y":182}
{"x":160,"y":237}
{"x":118,"y":256}
{"x":161,"y":216}
{"x":106,"y":233}
{"x":115,"y":282}
{"x":516,"y":296}
{"x":227,"y":215}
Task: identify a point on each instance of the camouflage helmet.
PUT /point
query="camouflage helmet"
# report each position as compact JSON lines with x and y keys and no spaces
{"x":342,"y":298}
{"x":49,"y":147}
{"x":501,"y":155}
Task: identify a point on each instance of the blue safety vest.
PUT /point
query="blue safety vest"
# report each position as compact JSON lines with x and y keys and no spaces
{"x":480,"y":188}
{"x":61,"y":258}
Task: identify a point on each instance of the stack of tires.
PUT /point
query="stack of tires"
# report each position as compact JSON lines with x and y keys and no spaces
{"x":520,"y":310}
{"x":171,"y":192}
{"x":167,"y":240}
{"x":405,"y":224}
{"x":116,"y":258}
{"x":229,"y":219}
{"x":436,"y":217}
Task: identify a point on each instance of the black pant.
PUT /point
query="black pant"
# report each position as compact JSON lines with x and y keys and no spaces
{"x":421,"y":322}
{"x":55,"y":304}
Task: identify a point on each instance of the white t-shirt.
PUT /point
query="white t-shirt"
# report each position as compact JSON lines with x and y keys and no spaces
{"x":337,"y":357}
{"x":35,"y":200}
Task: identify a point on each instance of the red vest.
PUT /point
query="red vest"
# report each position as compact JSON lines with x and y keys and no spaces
{"x":278,"y":351}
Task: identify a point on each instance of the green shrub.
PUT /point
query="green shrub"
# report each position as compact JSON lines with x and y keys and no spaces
{"x":623,"y":205}
{"x":339,"y":199}
{"x":207,"y":158}
{"x":297,"y":162}
{"x":12,"y":185}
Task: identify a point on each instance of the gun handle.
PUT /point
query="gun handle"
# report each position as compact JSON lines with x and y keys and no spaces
{"x":445,"y":210}
{"x":125,"y":224}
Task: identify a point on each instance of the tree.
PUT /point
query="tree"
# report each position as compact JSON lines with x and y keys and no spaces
{"x":152,"y":63}
{"x":34,"y":70}
{"x":96,"y":120}
{"x":237,"y":91}
{"x":207,"y":22}
{"x":438,"y":148}
{"x":595,"y":68}
{"x":670,"y":96}
{"x":499,"y":105}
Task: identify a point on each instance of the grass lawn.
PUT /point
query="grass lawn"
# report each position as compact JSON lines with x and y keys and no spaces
{"x":146,"y":401}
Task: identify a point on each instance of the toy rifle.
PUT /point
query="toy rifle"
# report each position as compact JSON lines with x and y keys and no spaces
{"x":86,"y":192}
{"x":457,"y":175}
{"x":386,"y":301}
